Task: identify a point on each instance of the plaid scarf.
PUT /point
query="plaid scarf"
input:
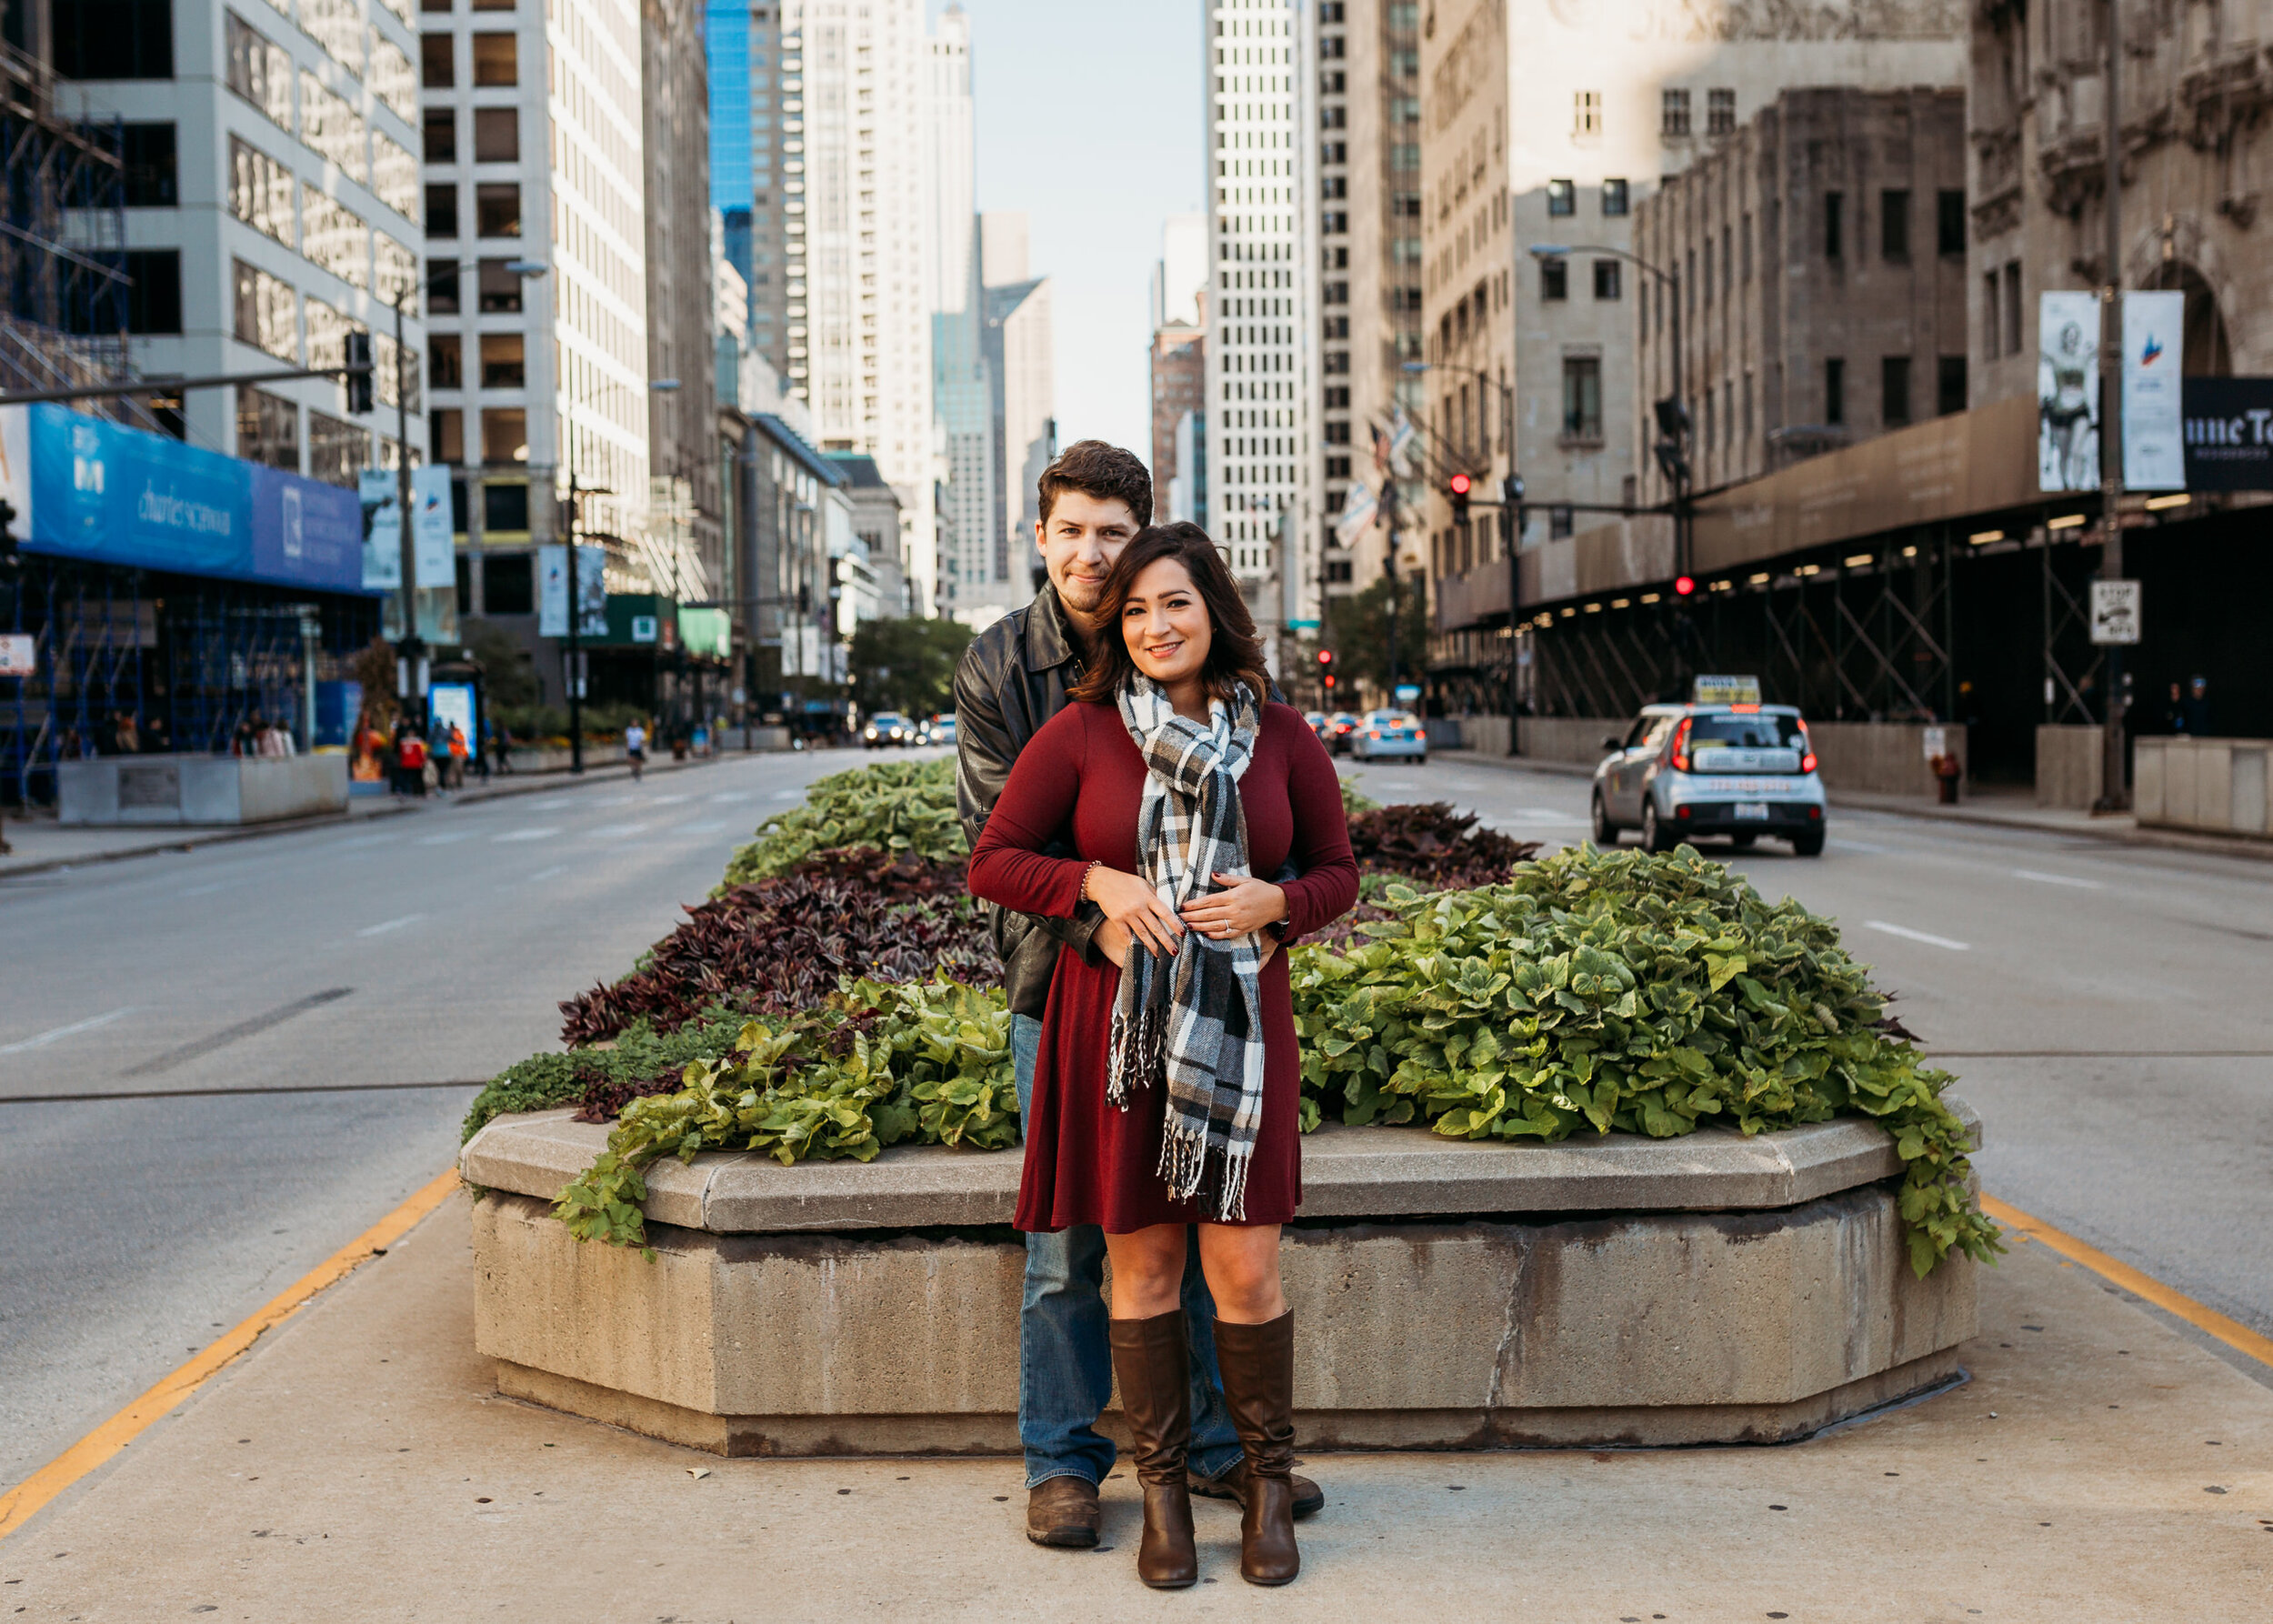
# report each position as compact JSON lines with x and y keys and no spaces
{"x":1193,"y":1022}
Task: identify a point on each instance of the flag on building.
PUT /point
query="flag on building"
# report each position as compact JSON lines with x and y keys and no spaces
{"x":1357,"y":514}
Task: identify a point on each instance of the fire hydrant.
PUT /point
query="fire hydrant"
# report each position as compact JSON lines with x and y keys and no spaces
{"x":1946,"y":770}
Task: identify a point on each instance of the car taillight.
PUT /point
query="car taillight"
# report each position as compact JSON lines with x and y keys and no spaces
{"x":1681,"y":748}
{"x":1806,"y":750}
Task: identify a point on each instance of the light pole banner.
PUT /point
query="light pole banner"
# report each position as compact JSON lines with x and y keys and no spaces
{"x":552,"y":592}
{"x":2068,"y":391}
{"x":382,"y":530}
{"x":430,"y":526}
{"x":2154,"y":438}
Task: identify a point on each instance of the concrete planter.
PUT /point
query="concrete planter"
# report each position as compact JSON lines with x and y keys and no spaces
{"x":2215,"y":785}
{"x":1711,"y":1288}
{"x":199,"y":789}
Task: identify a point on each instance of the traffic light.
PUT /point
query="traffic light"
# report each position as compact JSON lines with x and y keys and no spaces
{"x":1684,"y":585}
{"x":358,"y":383}
{"x":1458,"y":489}
{"x":1326,"y":670}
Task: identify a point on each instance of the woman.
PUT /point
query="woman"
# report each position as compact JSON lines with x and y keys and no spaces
{"x":1168,"y":1089}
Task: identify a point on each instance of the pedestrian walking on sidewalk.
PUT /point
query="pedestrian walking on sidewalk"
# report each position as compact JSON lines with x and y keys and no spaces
{"x":635,"y":749}
{"x":1165,"y":1100}
{"x":456,"y":747}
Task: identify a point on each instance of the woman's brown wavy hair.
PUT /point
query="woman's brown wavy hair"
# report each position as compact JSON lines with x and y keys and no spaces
{"x":1234,"y":655}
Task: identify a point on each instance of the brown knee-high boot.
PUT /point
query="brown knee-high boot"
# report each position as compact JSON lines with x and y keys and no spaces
{"x":1153,"y":1360}
{"x":1257,"y":1365}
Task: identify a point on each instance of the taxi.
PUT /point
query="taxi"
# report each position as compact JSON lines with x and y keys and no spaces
{"x":1724,"y":764}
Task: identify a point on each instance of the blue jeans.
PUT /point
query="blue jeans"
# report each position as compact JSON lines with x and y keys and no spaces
{"x":1064,"y":1358}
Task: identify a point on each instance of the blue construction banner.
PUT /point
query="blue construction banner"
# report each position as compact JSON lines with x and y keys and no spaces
{"x":85,"y":487}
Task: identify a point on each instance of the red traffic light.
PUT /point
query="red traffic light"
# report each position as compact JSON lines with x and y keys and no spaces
{"x":1329,"y":681}
{"x":1326,"y":657}
{"x":1684,"y":585}
{"x":1460,"y":484}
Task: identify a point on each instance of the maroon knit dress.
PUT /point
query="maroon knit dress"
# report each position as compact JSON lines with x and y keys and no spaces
{"x":1080,"y":779}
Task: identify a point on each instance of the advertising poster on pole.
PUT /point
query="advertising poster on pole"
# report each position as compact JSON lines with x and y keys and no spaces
{"x":552,"y":592}
{"x":2154,"y":440}
{"x":430,"y":527}
{"x":2068,"y":391}
{"x":382,"y":530}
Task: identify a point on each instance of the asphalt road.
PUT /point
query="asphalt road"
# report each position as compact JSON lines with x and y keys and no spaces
{"x":2109,"y":1010}
{"x":430,"y":948}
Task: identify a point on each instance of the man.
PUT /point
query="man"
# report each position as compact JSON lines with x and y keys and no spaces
{"x":1013,"y":678}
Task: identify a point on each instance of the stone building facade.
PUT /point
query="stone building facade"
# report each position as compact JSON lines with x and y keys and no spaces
{"x":1821,"y":252}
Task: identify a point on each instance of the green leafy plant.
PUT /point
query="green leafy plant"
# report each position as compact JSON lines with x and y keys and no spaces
{"x":638,"y":1057}
{"x":903,"y":807}
{"x":882,"y":1064}
{"x":1624,"y":992}
{"x":1354,"y":803}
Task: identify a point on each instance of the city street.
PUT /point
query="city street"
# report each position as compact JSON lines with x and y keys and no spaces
{"x":405,"y":962}
{"x":2103,"y":1005}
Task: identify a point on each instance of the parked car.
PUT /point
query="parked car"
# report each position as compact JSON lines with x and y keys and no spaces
{"x":1321,"y":726}
{"x":938,"y":730}
{"x":1736,"y":770}
{"x":1341,"y":725}
{"x":1389,"y":733}
{"x":888,"y":727}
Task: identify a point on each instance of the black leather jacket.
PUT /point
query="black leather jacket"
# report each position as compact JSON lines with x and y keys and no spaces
{"x":1013,"y":678}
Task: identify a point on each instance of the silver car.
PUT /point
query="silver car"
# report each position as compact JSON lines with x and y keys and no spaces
{"x":1684,"y":770}
{"x":1389,"y":733}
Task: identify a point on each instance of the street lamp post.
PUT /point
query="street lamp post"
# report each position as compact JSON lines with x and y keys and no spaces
{"x":411,"y":651}
{"x":1510,"y":516}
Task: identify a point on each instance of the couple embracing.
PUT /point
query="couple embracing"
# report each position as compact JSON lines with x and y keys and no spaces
{"x":1129,"y":781}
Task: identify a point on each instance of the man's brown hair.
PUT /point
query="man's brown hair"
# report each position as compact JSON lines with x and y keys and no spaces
{"x":1104,"y":473}
{"x":1234,"y":654}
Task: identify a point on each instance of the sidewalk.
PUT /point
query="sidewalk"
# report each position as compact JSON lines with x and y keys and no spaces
{"x":358,"y":1464}
{"x":1991,"y":808}
{"x":39,"y":844}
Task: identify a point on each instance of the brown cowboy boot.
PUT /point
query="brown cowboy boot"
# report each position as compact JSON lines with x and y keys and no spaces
{"x":1257,"y":1365}
{"x":1062,"y":1511}
{"x":1152,"y":1361}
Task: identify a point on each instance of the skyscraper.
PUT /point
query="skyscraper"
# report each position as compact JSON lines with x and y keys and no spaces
{"x":1019,"y":349}
{"x":968,"y":510}
{"x":1180,"y":367}
{"x":1262,"y":225}
{"x":748,"y":161}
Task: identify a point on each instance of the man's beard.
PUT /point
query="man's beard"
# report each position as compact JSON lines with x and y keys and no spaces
{"x":1081,"y":596}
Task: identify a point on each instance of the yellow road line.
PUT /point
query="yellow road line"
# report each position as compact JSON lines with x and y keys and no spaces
{"x":18,"y":1504}
{"x":2232,"y":1332}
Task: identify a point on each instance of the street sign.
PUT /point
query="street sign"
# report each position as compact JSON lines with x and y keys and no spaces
{"x":19,"y":654}
{"x":2116,"y":611}
{"x":1937,"y":741}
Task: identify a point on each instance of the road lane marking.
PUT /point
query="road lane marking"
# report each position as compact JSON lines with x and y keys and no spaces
{"x":523,"y":835}
{"x":242,"y":1030}
{"x":371,"y":840}
{"x":789,"y":795}
{"x":555,"y":870}
{"x":2232,"y":1332}
{"x":1858,"y":846}
{"x":613,"y":831}
{"x":667,"y":800}
{"x":45,"y":1039}
{"x":449,"y":840}
{"x":2057,"y":880}
{"x":1919,"y":936}
{"x":381,"y":929}
{"x":21,"y":1503}
{"x":731,"y":796}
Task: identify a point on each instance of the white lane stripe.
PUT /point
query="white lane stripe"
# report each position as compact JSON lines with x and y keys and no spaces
{"x":555,"y":871}
{"x":667,"y":800}
{"x":1919,"y":936}
{"x":789,"y":795}
{"x":728,"y":797}
{"x":45,"y":1039}
{"x":523,"y":835}
{"x":1859,"y":846}
{"x":449,"y":840}
{"x":2057,"y":880}
{"x":390,"y":925}
{"x":611,"y":831}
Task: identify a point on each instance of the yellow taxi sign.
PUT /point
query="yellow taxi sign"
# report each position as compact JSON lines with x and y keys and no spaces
{"x":1725,"y":690}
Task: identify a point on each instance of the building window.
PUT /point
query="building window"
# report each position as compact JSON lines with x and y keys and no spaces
{"x":1720,"y":112}
{"x":508,"y":584}
{"x":1334,"y":152}
{"x":1554,"y":280}
{"x":1334,"y":186}
{"x":1562,"y":197}
{"x":442,"y":210}
{"x":1582,"y":398}
{"x":1338,"y":468}
{"x":1338,"y":400}
{"x":500,"y":289}
{"x":497,"y":136}
{"x":1894,"y":225}
{"x":446,"y":434}
{"x":1949,"y":391}
{"x":505,"y":436}
{"x":1744,"y":239}
{"x":334,"y":129}
{"x":437,"y":60}
{"x":2012,"y":306}
{"x":442,"y":295}
{"x":494,"y":63}
{"x":338,"y":449}
{"x":111,"y":39}
{"x":334,"y":237}
{"x":1834,"y":224}
{"x":1614,"y":196}
{"x":497,"y":208}
{"x":1338,"y":572}
{"x":1949,"y":221}
{"x":1560,"y":524}
{"x":506,"y":508}
{"x":1673,"y":117}
{"x":395,"y":175}
{"x":267,"y":429}
{"x":1894,"y":390}
{"x":260,"y":191}
{"x":503,"y":365}
{"x":152,"y":177}
{"x":153,"y":295}
{"x":266,"y":313}
{"x":446,"y":360}
{"x":1586,"y":112}
{"x":1835,"y":391}
{"x":1992,"y":337}
{"x":441,"y":136}
{"x":1748,"y":408}
{"x":1606,"y":279}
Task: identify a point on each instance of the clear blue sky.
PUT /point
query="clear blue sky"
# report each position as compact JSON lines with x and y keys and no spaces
{"x":1089,"y":120}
